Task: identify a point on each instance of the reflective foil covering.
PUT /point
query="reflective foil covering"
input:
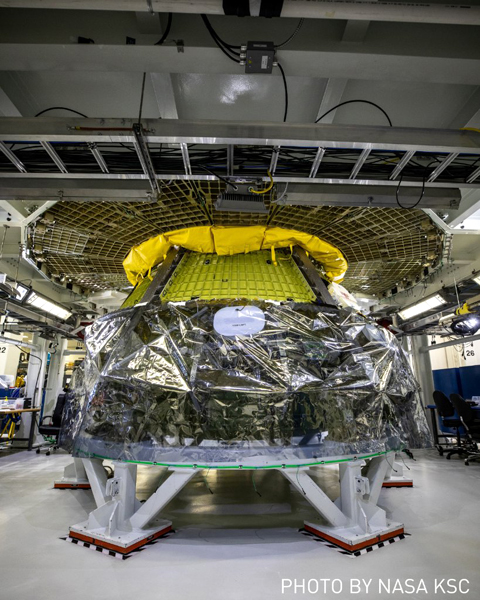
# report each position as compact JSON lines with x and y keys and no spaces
{"x":163,"y":385}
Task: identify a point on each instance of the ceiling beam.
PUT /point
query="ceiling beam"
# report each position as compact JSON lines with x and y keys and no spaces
{"x":306,"y":193}
{"x":164,"y":95}
{"x":355,"y":31}
{"x":147,"y":21}
{"x":446,"y":276}
{"x":371,"y":196}
{"x":332,"y":96}
{"x":166,"y":59}
{"x":464,"y":14}
{"x":14,"y":209}
{"x":469,"y":113}
{"x":7,"y":107}
{"x":39,"y":212}
{"x":239,"y":133}
{"x":220,"y":133}
{"x":470,"y":203}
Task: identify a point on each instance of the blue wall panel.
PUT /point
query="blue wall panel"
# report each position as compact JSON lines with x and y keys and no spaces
{"x":464,"y":381}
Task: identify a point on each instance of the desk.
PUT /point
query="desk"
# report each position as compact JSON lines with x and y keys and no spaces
{"x":9,"y":411}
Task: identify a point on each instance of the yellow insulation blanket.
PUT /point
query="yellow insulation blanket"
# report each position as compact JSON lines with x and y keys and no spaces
{"x":231,"y":240}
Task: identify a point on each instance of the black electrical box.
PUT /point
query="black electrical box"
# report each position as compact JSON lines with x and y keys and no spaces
{"x":259,"y":57}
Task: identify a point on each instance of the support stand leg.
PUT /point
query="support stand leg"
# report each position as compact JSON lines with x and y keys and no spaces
{"x":121,"y":523}
{"x":354,"y":521}
{"x":74,"y":477}
{"x":395,"y":476}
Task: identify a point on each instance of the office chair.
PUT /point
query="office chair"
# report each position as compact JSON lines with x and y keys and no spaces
{"x":51,"y":431}
{"x":472,"y":427}
{"x":448,"y":420}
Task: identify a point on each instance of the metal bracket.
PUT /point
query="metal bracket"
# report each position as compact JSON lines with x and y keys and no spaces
{"x":312,"y":276}
{"x":113,"y":487}
{"x":141,"y":146}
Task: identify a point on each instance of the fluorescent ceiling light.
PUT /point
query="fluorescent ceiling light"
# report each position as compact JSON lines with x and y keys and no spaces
{"x":48,"y":306}
{"x":421,"y":307}
{"x":476,"y":279}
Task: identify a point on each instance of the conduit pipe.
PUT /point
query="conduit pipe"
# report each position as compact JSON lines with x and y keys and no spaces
{"x":368,"y":10}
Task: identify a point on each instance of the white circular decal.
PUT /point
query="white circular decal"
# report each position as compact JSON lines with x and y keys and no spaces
{"x":239,"y":320}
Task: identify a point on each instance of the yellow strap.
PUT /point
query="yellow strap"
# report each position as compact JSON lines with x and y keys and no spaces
{"x":470,"y":129}
{"x":267,"y":189}
{"x":272,"y":249}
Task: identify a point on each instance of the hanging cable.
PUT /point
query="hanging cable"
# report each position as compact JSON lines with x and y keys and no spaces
{"x":141,"y":99}
{"x":215,"y":34}
{"x":267,"y":189}
{"x":286,"y":91}
{"x":288,"y":40}
{"x":219,"y":177}
{"x":470,"y":129}
{"x":298,"y":481}
{"x":277,"y":200}
{"x":61,"y":108}
{"x":167,"y":30}
{"x":419,"y":199}
{"x":421,"y":193}
{"x":390,"y":465}
{"x":206,"y":481}
{"x":352,"y":101}
{"x":254,"y":485}
{"x":224,"y":47}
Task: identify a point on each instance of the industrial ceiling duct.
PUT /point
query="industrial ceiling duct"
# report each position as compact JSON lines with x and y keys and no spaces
{"x":447,"y":14}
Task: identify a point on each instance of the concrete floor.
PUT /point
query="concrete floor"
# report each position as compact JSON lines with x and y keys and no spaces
{"x":234,"y":544}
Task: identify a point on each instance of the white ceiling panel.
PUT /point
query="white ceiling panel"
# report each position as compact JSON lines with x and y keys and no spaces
{"x":246,"y":97}
{"x":409,"y":105}
{"x":96,"y":94}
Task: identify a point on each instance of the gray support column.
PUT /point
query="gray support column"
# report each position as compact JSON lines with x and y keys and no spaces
{"x":423,"y":370}
{"x":53,"y":385}
{"x":33,"y":389}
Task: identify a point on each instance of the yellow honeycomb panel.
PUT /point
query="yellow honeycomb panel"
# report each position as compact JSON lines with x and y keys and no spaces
{"x":251,"y":276}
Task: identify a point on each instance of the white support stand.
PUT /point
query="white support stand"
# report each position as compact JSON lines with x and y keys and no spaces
{"x":74,"y":477}
{"x":120,"y":523}
{"x":354,"y":521}
{"x":395,"y":477}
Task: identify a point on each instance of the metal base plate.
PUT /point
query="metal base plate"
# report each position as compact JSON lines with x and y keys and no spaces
{"x":124,"y":542}
{"x":399,"y":482}
{"x":353,"y":539}
{"x":71,"y":485}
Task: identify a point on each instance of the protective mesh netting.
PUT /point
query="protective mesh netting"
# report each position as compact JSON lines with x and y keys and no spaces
{"x":86,"y":242}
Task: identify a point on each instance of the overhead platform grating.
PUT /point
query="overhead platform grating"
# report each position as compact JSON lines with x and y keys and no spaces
{"x":117,"y":187}
{"x":166,"y":150}
{"x":86,"y":243}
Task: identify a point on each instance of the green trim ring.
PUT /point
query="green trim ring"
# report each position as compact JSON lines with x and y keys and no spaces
{"x":240,"y":467}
